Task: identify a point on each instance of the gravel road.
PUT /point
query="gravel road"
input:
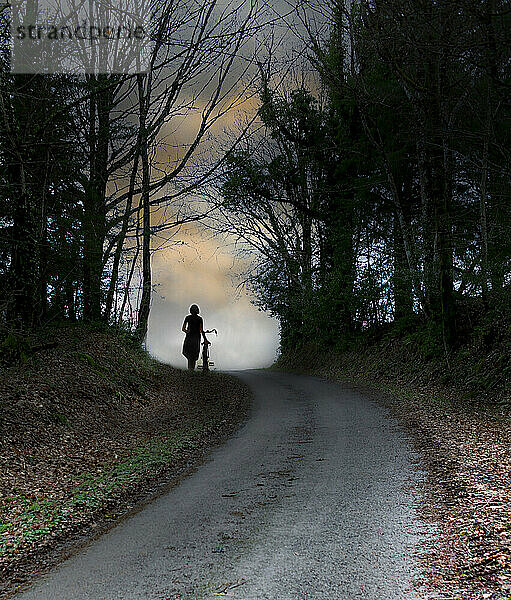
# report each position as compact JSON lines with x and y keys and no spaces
{"x":313,"y":498}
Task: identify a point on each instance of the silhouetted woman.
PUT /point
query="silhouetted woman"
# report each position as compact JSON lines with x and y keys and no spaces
{"x":193,"y":327}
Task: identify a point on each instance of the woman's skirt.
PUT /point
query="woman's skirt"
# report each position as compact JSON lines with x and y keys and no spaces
{"x":191,"y":346}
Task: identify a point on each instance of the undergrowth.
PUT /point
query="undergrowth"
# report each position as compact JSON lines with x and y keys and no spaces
{"x":38,"y":517}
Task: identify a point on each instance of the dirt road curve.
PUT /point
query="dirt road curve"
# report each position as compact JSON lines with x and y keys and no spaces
{"x":313,"y":499}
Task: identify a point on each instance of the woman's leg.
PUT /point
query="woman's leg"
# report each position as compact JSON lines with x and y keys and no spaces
{"x":191,"y":364}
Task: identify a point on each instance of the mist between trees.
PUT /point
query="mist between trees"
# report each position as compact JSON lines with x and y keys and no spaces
{"x":379,"y":196}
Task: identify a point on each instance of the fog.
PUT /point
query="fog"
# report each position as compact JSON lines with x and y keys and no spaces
{"x":203,"y":271}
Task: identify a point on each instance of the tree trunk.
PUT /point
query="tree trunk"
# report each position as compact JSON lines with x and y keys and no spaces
{"x":437,"y":190}
{"x":402,"y":283}
{"x":25,"y":256}
{"x":24,"y":267}
{"x":145,"y":302}
{"x":70,"y":300}
{"x":131,"y":271}
{"x":94,"y":212}
{"x":120,"y":243}
{"x":342,"y":274}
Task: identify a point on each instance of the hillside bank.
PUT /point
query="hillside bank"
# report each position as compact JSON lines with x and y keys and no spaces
{"x":90,"y":428}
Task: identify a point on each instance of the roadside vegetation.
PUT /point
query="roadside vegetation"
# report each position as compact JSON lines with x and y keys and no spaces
{"x":89,"y":428}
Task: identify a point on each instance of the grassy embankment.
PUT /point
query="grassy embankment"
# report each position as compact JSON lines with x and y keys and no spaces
{"x":89,"y":428}
{"x":457,"y":410}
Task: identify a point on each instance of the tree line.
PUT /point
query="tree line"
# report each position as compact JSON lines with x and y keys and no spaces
{"x":376,"y":194}
{"x":380,"y":193}
{"x":93,"y":166}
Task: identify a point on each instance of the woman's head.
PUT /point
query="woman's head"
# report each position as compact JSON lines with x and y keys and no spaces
{"x":194,"y":309}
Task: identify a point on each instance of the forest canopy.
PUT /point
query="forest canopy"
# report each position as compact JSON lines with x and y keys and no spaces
{"x":377,"y":195}
{"x":382,"y":194}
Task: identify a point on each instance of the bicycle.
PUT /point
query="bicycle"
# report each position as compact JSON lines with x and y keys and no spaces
{"x":205,"y":352}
